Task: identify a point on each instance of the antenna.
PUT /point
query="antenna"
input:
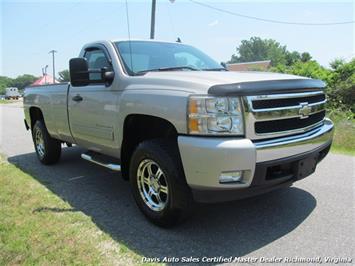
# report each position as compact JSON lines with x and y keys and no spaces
{"x":129,"y":35}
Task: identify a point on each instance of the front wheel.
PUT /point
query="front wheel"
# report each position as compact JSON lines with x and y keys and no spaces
{"x":158,"y":182}
{"x":47,"y":148}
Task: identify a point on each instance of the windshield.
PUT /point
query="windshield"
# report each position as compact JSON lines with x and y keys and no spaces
{"x":143,"y":56}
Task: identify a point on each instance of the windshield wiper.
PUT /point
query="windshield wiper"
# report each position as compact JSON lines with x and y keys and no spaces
{"x":215,"y":69}
{"x":166,"y":69}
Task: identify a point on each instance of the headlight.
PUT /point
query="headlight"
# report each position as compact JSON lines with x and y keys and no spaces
{"x":215,"y":115}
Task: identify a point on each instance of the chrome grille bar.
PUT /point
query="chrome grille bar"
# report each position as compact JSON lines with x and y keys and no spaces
{"x":286,"y":112}
{"x":295,"y":110}
{"x":285,"y":95}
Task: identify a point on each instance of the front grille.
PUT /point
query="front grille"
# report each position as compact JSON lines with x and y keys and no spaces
{"x":262,"y":104}
{"x":288,"y":124}
{"x":277,"y":115}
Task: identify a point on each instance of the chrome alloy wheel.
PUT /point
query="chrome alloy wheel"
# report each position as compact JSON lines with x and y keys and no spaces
{"x":39,"y":143}
{"x":152,"y":185}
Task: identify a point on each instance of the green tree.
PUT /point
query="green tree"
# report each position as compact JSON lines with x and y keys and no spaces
{"x":311,"y":69}
{"x":292,"y":57}
{"x":341,"y":86}
{"x":340,"y":80}
{"x":23,"y":81}
{"x":305,"y":57}
{"x":257,"y":49}
{"x":64,"y":75}
{"x":336,"y":63}
{"x":4,"y":83}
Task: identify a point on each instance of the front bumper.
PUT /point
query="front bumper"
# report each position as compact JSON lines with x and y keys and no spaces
{"x":205,"y":158}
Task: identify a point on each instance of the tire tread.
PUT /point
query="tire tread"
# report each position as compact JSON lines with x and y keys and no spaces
{"x":166,"y":151}
{"x":52,"y":146}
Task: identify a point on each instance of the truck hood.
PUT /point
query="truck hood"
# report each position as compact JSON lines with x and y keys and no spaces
{"x":231,"y":82}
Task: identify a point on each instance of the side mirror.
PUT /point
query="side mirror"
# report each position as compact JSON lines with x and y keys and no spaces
{"x":107,"y":76}
{"x":79,"y":72}
{"x":224,"y":65}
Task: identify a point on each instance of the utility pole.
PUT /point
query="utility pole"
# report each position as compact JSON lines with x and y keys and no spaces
{"x":152,"y":19}
{"x":45,"y":74}
{"x":53,"y":61}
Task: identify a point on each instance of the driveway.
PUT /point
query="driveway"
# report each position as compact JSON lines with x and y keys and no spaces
{"x":313,"y":218}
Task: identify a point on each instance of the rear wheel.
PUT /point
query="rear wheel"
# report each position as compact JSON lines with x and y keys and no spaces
{"x":47,"y":148}
{"x":158,"y":182}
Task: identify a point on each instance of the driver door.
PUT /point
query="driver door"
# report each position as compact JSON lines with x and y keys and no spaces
{"x":93,"y":108}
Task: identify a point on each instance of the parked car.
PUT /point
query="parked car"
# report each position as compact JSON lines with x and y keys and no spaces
{"x":179,"y":126}
{"x":12,"y":93}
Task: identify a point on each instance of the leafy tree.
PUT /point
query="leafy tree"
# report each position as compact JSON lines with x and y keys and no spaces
{"x":257,"y":49}
{"x":23,"y":81}
{"x":305,"y":57}
{"x":340,"y":80}
{"x":311,"y":69}
{"x":4,"y":83}
{"x":341,"y":87}
{"x":292,"y":57}
{"x":336,"y":63}
{"x":64,"y":75}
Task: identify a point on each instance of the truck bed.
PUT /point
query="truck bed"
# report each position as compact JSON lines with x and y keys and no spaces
{"x":52,"y":100}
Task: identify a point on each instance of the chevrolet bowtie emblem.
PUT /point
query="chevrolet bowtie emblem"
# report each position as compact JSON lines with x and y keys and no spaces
{"x":305,"y":110}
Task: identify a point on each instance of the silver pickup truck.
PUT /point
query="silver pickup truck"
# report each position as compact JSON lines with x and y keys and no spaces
{"x":179,"y":126}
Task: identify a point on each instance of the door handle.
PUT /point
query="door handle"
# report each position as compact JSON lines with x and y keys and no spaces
{"x":77,"y":98}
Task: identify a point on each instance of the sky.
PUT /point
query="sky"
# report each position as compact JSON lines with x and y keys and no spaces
{"x":30,"y":29}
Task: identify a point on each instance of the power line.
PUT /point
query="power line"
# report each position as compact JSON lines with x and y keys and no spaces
{"x":270,"y":20}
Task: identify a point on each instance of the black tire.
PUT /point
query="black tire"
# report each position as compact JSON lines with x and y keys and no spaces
{"x":51,"y":151}
{"x":179,"y":199}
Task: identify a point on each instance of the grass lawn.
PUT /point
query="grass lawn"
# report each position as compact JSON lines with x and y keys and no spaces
{"x":31,"y":234}
{"x":6,"y":101}
{"x":344,"y":137}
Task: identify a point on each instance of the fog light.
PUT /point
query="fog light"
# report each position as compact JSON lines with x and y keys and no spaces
{"x":230,"y":177}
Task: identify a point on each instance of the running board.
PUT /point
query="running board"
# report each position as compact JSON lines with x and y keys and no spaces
{"x":101,"y":160}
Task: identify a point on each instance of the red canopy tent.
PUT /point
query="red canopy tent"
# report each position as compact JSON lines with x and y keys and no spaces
{"x":46,"y":79}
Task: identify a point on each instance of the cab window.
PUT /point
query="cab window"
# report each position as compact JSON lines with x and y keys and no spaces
{"x":97,"y":60}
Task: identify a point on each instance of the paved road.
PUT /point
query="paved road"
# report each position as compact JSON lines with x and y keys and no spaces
{"x":313,"y":218}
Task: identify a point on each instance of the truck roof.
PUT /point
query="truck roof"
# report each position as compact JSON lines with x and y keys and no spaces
{"x":143,"y":40}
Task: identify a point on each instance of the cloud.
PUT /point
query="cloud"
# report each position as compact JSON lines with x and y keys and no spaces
{"x":213,"y":23}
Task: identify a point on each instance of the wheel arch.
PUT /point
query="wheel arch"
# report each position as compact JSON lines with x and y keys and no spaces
{"x":141,"y":127}
{"x":35,"y":114}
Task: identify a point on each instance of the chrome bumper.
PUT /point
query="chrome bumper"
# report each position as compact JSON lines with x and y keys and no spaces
{"x":289,"y":146}
{"x":204,"y":159}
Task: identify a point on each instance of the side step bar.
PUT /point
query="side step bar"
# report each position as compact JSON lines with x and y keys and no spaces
{"x":95,"y":158}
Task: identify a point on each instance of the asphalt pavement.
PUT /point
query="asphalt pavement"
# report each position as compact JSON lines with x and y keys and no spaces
{"x":313,"y":218}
